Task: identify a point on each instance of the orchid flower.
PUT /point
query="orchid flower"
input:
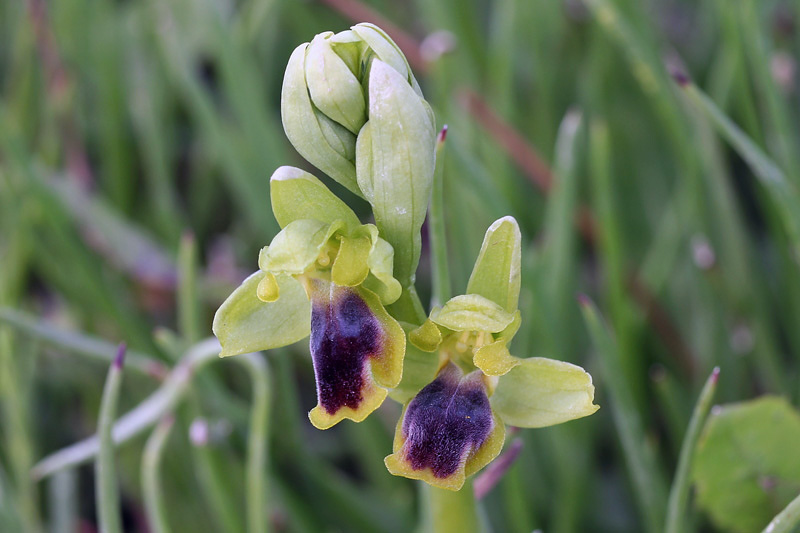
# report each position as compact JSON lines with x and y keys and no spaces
{"x":325,"y":257}
{"x":454,"y":425}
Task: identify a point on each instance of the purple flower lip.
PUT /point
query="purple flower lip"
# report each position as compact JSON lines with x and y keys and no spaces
{"x":344,"y":335}
{"x":357,"y":350}
{"x":448,"y":430}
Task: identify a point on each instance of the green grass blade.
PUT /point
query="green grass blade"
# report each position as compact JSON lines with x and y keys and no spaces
{"x":109,"y":514}
{"x":648,"y":486}
{"x":152,"y":492}
{"x":679,"y":493}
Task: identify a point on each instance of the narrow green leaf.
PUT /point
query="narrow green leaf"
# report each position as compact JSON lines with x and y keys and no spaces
{"x":679,"y":493}
{"x":643,"y":468}
{"x":109,"y":514}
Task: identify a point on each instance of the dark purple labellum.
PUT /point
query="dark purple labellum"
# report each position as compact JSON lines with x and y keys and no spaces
{"x":448,"y":419}
{"x":344,"y":335}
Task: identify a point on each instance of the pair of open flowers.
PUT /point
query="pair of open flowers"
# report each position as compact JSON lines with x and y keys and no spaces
{"x":328,"y":276}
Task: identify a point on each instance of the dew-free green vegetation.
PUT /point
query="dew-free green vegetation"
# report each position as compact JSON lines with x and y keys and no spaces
{"x":648,"y":150}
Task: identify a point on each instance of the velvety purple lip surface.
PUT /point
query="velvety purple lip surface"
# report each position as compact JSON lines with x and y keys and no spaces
{"x":449,"y":417}
{"x":344,"y":334}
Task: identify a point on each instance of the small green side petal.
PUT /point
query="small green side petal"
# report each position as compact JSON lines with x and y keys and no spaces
{"x":334,"y":89}
{"x":494,"y":359}
{"x":302,"y":126}
{"x":297,"y":195}
{"x":427,"y":337}
{"x":472,"y":312}
{"x":350,"y":267}
{"x":295,"y":247}
{"x":496,"y":274}
{"x":419,"y":368}
{"x":244,"y":324}
{"x":381,"y":266}
{"x":542,"y":392}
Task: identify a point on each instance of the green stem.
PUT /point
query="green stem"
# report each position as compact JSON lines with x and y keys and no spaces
{"x":107,"y":493}
{"x":440,"y":271}
{"x":256,"y":499}
{"x":450,"y":511}
{"x":408,"y":308}
{"x":152,"y":493}
{"x":679,"y":493}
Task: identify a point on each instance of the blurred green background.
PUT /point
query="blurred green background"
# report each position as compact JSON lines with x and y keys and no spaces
{"x":137,"y":138}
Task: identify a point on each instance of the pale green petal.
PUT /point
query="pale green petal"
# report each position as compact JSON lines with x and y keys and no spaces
{"x":350,"y":267}
{"x":297,"y":195}
{"x":395,"y":160}
{"x":295,"y":248}
{"x":302,"y":126}
{"x":244,"y":324}
{"x":543,"y":392}
{"x":472,"y":312}
{"x":494,"y":359}
{"x":496,"y":274}
{"x":427,"y":337}
{"x":334,"y":89}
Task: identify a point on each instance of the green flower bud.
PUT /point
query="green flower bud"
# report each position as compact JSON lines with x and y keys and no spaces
{"x":351,"y":106}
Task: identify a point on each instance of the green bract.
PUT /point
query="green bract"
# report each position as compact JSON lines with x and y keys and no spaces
{"x":351,"y":106}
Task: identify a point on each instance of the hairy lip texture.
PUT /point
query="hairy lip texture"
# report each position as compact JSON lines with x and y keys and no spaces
{"x":447,"y":420}
{"x":344,"y":335}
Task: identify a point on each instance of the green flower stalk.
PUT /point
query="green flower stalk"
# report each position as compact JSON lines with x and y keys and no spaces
{"x":454,"y":426}
{"x":351,"y":106}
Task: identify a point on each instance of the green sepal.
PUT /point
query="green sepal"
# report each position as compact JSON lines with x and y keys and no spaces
{"x":244,"y":324}
{"x":350,"y":49}
{"x":419,"y":368}
{"x":350,"y":267}
{"x":297,"y":246}
{"x":298,"y":195}
{"x":541,"y":392}
{"x":472,"y":312}
{"x":395,"y":161}
{"x":496,"y":274}
{"x":334,"y":89}
{"x":426,"y":337}
{"x":302,"y":126}
{"x":337,"y":136}
{"x":385,"y":48}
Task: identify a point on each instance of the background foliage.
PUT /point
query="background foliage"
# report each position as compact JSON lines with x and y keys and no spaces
{"x":136,"y":142}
